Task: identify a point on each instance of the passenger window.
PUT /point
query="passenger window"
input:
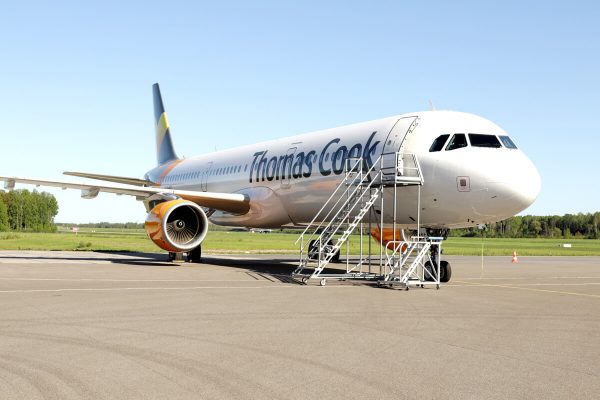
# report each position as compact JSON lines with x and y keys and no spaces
{"x":458,"y":140}
{"x":438,"y":144}
{"x":478,"y":140}
{"x":507,"y":142}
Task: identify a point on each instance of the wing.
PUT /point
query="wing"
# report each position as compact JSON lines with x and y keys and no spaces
{"x":111,"y":178}
{"x":229,"y":202}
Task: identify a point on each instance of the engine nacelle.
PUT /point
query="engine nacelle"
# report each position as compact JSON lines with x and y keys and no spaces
{"x":176,"y":225}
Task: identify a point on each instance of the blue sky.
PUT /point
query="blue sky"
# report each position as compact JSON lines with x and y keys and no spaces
{"x":75,"y":82}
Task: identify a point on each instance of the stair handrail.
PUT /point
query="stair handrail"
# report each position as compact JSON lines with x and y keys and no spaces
{"x":350,"y":171}
{"x":351,"y":195}
{"x":354,"y":189}
{"x":399,"y":155}
{"x":350,"y":209}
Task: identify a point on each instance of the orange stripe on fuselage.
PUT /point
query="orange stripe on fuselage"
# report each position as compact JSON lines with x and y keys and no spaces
{"x":167,"y":170}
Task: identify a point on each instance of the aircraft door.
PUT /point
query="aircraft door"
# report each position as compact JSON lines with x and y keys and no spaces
{"x":394,"y":143}
{"x":205,"y":174}
{"x":286,"y":168}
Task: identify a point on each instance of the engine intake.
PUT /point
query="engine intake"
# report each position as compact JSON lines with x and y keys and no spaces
{"x":176,"y":225}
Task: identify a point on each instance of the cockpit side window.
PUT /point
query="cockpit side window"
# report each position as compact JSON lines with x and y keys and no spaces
{"x":507,"y":142}
{"x":478,"y":140}
{"x":458,"y":140}
{"x":438,"y":143}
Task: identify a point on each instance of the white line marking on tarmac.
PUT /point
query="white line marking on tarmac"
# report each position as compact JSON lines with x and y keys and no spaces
{"x":523,"y":277}
{"x":275,"y":286}
{"x":123,"y":280}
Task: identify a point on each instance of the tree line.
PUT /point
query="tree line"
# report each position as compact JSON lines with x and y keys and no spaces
{"x":530,"y":226}
{"x":106,"y":225}
{"x":22,"y":210}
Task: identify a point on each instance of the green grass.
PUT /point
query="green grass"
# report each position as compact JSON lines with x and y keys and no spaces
{"x":275,"y":242}
{"x":523,"y":247}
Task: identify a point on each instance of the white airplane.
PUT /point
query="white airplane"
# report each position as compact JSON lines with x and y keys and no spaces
{"x":473,"y":174}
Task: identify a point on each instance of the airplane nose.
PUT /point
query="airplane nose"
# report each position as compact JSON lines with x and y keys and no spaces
{"x":517,"y":184}
{"x":530,"y":184}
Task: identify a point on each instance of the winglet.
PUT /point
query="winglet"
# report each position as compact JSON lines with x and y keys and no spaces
{"x":164,"y":145}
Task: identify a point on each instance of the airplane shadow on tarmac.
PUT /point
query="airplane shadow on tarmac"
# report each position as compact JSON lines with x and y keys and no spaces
{"x":147,"y":259}
{"x":273,"y":268}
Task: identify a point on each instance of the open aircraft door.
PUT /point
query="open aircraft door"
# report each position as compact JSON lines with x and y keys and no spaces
{"x":395,"y":143}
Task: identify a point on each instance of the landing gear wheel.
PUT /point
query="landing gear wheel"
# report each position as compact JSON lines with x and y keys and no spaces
{"x":336,"y":256}
{"x":195,"y":255}
{"x":175,"y":256}
{"x":445,"y":271}
{"x":429,"y":272}
{"x":313,"y":251}
{"x":323,"y":282}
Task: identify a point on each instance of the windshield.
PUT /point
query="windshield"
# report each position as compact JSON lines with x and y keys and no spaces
{"x":458,"y":140}
{"x":478,"y":140}
{"x":507,"y":142}
{"x":438,"y":143}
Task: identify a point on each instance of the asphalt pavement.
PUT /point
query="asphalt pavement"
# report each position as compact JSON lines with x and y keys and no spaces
{"x":80,"y":325}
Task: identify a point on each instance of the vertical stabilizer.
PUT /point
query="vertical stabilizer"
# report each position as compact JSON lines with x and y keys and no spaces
{"x":164,"y":145}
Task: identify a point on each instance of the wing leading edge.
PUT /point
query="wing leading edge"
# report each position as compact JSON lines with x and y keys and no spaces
{"x":111,"y":178}
{"x":229,"y":202}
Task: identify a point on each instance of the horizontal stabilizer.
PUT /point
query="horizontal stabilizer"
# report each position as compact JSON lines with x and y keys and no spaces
{"x":111,"y":178}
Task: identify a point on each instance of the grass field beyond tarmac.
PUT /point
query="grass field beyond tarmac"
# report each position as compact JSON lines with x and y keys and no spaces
{"x":280,"y":243}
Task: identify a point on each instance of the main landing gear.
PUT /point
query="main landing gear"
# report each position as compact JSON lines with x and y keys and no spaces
{"x":313,"y":251}
{"x":193,"y":256}
{"x":445,"y":271}
{"x":445,"y":268}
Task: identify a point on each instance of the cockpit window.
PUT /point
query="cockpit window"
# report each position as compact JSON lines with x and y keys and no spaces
{"x":458,"y":140}
{"x":478,"y":140}
{"x":507,"y":142}
{"x":438,"y":144}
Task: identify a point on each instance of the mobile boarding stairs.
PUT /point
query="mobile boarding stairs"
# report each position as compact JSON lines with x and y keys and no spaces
{"x":355,"y":202}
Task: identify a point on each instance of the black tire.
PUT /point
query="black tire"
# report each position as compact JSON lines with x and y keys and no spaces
{"x":430,"y":269}
{"x":445,"y":271}
{"x":175,"y":256}
{"x":313,"y":251}
{"x":195,"y":255}
{"x":336,"y":256}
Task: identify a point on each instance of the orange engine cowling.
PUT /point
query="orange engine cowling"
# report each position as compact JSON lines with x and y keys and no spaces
{"x":176,"y":225}
{"x":388,"y":236}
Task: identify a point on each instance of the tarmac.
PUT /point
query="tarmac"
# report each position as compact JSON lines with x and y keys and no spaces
{"x":81,"y":325}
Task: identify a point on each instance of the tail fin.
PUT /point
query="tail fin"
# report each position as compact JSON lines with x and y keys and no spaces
{"x":164,"y":145}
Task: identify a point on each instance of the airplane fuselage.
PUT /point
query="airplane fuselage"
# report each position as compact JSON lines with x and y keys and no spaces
{"x":288,"y":180}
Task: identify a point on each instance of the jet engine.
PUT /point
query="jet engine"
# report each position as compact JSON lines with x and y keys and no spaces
{"x":176,"y":225}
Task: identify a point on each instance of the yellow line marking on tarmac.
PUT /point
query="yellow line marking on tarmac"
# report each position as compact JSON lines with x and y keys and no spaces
{"x":558,"y":284}
{"x":530,"y":289}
